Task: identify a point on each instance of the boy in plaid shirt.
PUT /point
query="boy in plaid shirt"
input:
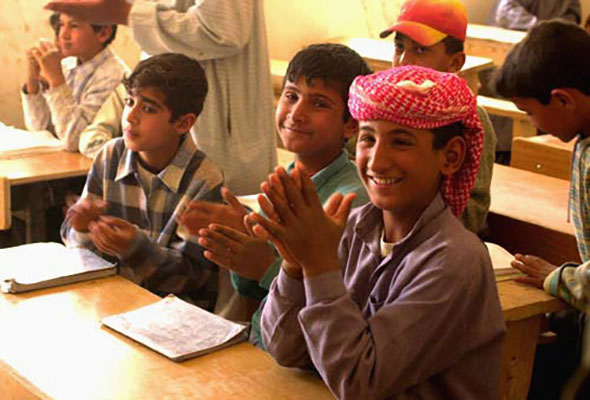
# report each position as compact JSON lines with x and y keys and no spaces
{"x":140,"y":183}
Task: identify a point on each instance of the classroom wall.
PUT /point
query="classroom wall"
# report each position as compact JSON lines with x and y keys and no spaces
{"x":22,"y":23}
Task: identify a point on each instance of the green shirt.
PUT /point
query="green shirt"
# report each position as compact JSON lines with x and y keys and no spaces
{"x":339,"y":176}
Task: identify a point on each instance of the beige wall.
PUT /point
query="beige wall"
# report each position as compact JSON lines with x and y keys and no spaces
{"x":22,"y":23}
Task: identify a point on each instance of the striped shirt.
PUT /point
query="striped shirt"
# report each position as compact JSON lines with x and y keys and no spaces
{"x":159,"y":259}
{"x":67,"y":109}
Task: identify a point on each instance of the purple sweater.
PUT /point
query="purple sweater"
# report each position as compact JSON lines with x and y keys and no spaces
{"x":422,"y":323}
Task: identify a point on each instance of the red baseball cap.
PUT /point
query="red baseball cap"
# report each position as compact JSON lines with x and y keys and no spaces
{"x":427,"y":22}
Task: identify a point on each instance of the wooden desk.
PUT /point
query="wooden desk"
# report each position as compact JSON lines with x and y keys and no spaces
{"x":528,"y":214}
{"x":521,"y":123}
{"x":36,"y":168}
{"x":544,"y":154}
{"x":53,"y":346}
{"x":491,"y":41}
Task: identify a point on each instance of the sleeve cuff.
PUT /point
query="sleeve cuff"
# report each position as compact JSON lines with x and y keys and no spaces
{"x":290,"y":288}
{"x":551,"y":282}
{"x":327,"y":286}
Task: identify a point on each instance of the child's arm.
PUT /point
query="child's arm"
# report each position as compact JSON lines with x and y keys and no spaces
{"x":571,"y":283}
{"x":35,"y":109}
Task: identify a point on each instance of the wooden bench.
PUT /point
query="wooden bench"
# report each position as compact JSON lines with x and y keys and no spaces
{"x":544,"y":154}
{"x":528,"y":214}
{"x":491,"y":42}
{"x":521,"y":127}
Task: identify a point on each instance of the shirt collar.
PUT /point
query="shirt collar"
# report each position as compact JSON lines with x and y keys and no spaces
{"x":170,"y":176}
{"x":324,"y":175}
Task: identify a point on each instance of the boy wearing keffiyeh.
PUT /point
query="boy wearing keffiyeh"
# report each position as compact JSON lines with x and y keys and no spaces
{"x":399,"y":300}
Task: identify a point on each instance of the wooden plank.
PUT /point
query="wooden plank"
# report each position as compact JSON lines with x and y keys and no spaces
{"x":5,"y":215}
{"x":491,"y":42}
{"x":522,"y":126}
{"x":543,"y":154}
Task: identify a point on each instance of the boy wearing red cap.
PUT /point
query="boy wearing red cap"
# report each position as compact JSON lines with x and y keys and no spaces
{"x":404,"y":303}
{"x":431,"y":33}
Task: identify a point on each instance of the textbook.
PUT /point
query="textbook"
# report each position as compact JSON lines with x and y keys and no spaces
{"x":501,"y":259}
{"x":18,"y":142}
{"x":177,"y":329}
{"x":42,"y":265}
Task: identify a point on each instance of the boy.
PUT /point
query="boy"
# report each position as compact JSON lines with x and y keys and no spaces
{"x":406,"y":305}
{"x":140,"y":183}
{"x":524,"y":14}
{"x":313,"y":121}
{"x":423,"y":39}
{"x":68,"y":81}
{"x":546,"y":76}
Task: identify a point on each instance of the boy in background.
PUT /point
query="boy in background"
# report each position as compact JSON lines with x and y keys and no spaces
{"x":431,"y":33}
{"x":546,"y":76}
{"x":524,"y":14}
{"x":68,"y":81}
{"x":404,"y":304}
{"x":314,"y":122}
{"x":140,"y":183}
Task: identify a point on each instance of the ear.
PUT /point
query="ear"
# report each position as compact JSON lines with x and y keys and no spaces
{"x":104,"y":33}
{"x":184,"y":123}
{"x":564,"y":98}
{"x":452,"y":155}
{"x":351,"y":128}
{"x":456,"y":61}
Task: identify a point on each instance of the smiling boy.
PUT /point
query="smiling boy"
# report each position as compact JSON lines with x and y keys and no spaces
{"x":404,"y":305}
{"x":140,"y":184}
{"x":68,"y":81}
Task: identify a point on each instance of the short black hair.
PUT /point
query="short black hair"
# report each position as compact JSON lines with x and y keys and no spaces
{"x":453,"y":45}
{"x":336,"y":64}
{"x":443,"y":134}
{"x":179,"y":78}
{"x":54,"y":22}
{"x":554,"y":54}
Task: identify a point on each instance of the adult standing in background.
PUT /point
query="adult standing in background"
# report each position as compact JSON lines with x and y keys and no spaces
{"x":228,"y":38}
{"x":524,"y":14}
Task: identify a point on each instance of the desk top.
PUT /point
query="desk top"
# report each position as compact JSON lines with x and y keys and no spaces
{"x":494,"y":34}
{"x":52,"y":342}
{"x":44,"y":167}
{"x":534,"y":198}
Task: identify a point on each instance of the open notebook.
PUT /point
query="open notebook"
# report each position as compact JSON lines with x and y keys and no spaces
{"x":177,"y":329}
{"x":17,"y":142}
{"x":501,"y":259}
{"x":42,"y":265}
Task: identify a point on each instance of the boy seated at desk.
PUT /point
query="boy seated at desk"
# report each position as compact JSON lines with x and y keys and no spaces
{"x":422,"y":38}
{"x":547,"y":76}
{"x":399,"y":300}
{"x":140,"y":184}
{"x":68,"y":81}
{"x":314,"y":122}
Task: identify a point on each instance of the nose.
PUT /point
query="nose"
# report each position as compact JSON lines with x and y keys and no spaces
{"x":131,"y":113}
{"x":64,"y":31}
{"x":298,"y":112}
{"x":378,"y":158}
{"x":404,"y":59}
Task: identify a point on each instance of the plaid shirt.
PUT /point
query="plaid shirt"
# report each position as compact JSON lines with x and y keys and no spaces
{"x":159,"y":259}
{"x":68,"y":109}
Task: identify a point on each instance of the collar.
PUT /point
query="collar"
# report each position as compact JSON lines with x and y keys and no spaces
{"x":324,"y":175}
{"x":170,"y":176}
{"x":370,"y":225}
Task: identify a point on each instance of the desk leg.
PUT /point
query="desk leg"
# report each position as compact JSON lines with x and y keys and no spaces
{"x":5,"y":206}
{"x":518,"y":357}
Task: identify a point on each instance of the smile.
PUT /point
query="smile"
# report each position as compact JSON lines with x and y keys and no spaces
{"x":379,"y":181}
{"x":296,"y":130}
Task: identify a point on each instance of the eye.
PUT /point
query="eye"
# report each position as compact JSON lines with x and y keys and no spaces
{"x":421,"y":50}
{"x":402,"y":142}
{"x":148,"y":109}
{"x":321,"y":103}
{"x":366,"y":138}
{"x":290,"y":96}
{"x":399,"y":47}
{"x":129,"y":102}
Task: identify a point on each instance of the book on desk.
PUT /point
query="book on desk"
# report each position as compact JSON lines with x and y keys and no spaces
{"x":16,"y":142}
{"x":43,"y":265}
{"x":177,"y":329}
{"x":501,"y":259}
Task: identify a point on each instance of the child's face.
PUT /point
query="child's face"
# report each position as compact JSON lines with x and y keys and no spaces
{"x":398,"y":165}
{"x":409,"y":52}
{"x":553,"y":118}
{"x":146,"y":123}
{"x":78,"y":39}
{"x":310,"y":120}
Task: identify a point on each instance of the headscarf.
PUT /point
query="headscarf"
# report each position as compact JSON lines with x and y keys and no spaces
{"x":422,"y":98}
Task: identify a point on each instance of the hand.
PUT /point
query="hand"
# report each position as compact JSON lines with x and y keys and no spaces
{"x":48,"y":57}
{"x":33,"y":73}
{"x":112,"y":235}
{"x":535,"y":268}
{"x":101,"y":12}
{"x":85,"y":211}
{"x":246,"y":255}
{"x":307,"y":233}
{"x":199,"y":214}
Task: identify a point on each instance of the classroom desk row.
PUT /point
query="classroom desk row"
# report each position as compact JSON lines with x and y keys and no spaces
{"x":52,"y":345}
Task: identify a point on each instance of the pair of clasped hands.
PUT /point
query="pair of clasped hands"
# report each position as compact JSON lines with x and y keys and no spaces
{"x":44,"y":65}
{"x":305,"y":233}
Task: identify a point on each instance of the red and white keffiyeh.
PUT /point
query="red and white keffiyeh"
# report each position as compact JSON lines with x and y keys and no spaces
{"x":422,"y":98}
